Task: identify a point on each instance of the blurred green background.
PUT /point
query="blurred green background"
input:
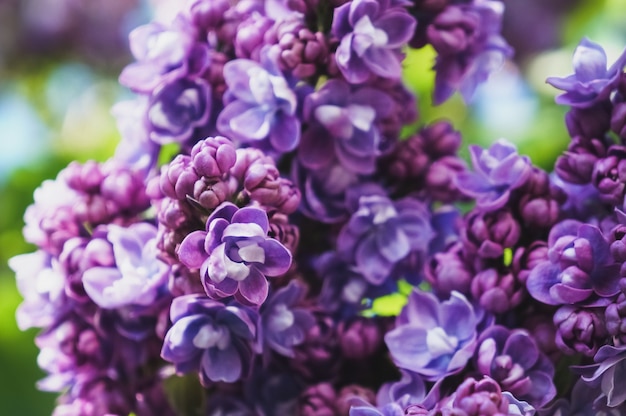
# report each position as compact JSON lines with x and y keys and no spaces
{"x":59,"y":62}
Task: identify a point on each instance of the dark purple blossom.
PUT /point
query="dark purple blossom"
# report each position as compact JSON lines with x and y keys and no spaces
{"x":302,"y":52}
{"x":475,"y":398}
{"x":234,"y":254}
{"x":284,"y":324}
{"x":511,"y":357}
{"x":591,"y":82}
{"x":496,"y":291}
{"x":371,"y":34}
{"x":497,"y":171}
{"x":381,"y":233}
{"x":580,"y":268}
{"x":176,"y":108}
{"x":318,"y":400}
{"x":609,"y":175}
{"x":260,"y":105}
{"x":209,"y":337}
{"x":580,"y":330}
{"x":360,"y":337}
{"x":137,"y":278}
{"x":344,"y":122}
{"x":432,"y":338}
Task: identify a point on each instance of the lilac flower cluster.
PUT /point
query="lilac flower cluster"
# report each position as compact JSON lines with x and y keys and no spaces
{"x":234,"y":254}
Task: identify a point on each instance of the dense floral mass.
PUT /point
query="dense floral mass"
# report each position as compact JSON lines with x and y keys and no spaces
{"x":269,"y":238}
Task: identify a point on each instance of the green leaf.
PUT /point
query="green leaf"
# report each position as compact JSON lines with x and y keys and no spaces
{"x":186,"y":395}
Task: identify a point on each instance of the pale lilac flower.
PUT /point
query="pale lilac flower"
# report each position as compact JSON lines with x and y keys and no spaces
{"x":163,"y":54}
{"x":371,"y":33}
{"x":138,"y":276}
{"x":234,"y":254}
{"x":433,"y":338}
{"x":592,"y":81}
{"x":42,"y":285}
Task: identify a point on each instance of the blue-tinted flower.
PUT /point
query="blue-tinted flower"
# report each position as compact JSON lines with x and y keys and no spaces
{"x":207,"y":336}
{"x":381,"y":233}
{"x":497,"y":171}
{"x":432,"y":338}
{"x":138,"y":277}
{"x":260,"y":106}
{"x":512,"y":358}
{"x":234,"y":254}
{"x":176,"y":108}
{"x":580,"y":268}
{"x":372,"y":32}
{"x":592,"y":81}
{"x":285,"y":325}
{"x":343,"y":124}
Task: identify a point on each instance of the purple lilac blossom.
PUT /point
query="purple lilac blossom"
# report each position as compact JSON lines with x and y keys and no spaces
{"x":608,"y":372}
{"x":512,"y":358}
{"x":580,"y":330}
{"x":284,"y":324}
{"x":497,"y":171}
{"x":371,"y":34}
{"x":592,"y":81}
{"x":469,"y":46}
{"x":323,"y":191}
{"x":580,"y":269}
{"x":318,"y":399}
{"x":138,"y":276}
{"x":381,"y":233}
{"x":409,"y":390}
{"x":433,"y":338}
{"x":234,"y":254}
{"x":260,"y":106}
{"x":176,"y":108}
{"x":475,"y":398}
{"x":360,"y":407}
{"x":344,"y":122}
{"x":301,"y":52}
{"x":262,"y":183}
{"x":211,"y":337}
